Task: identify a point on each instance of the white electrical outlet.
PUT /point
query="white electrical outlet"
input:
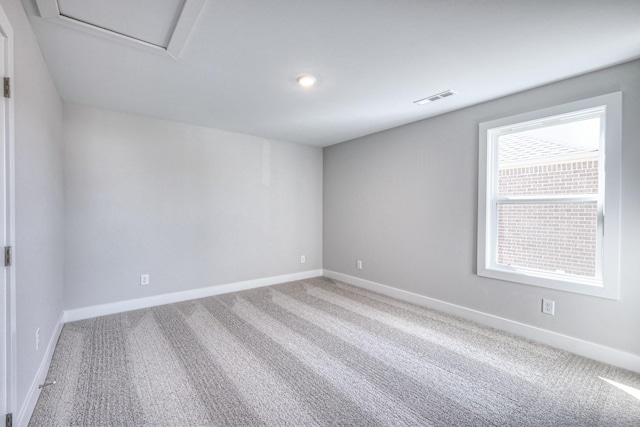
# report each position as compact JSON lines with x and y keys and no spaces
{"x":37,"y":338}
{"x":548,"y":306}
{"x":144,"y":279}
{"x":303,"y":259}
{"x":359,"y":264}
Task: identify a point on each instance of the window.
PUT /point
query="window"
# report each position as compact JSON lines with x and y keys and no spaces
{"x":549,"y":197}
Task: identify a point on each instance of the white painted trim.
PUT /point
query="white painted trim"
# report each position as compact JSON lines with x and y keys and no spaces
{"x":564,"y":342}
{"x":189,"y":14}
{"x":10,"y":334}
{"x":74,"y":24}
{"x":136,"y":304}
{"x":33,"y":393}
{"x":48,"y":8}
{"x":191,"y":10}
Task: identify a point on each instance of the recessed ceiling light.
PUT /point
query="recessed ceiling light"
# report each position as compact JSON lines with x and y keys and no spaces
{"x":306,"y":81}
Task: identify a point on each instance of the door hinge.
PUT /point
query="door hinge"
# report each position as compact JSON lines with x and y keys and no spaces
{"x":8,"y":258}
{"x":7,"y":87}
{"x":9,"y":420}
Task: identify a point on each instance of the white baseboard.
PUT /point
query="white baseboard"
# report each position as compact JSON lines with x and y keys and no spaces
{"x":136,"y":304}
{"x":564,"y":342}
{"x":25,"y":412}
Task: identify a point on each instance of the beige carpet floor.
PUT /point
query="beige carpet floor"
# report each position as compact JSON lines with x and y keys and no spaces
{"x":319,"y":352}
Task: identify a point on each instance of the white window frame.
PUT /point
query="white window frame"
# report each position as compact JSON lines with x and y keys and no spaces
{"x":606,"y":283}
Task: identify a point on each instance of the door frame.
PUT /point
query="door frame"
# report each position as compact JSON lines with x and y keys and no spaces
{"x":8,"y":370}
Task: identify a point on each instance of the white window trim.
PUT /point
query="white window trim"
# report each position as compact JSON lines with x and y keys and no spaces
{"x":609,"y":287}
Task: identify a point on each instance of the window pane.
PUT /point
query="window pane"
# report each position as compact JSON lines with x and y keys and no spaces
{"x":557,"y":238}
{"x":560,"y":159}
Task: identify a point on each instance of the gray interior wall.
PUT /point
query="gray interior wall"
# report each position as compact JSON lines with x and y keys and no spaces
{"x":39,"y":200}
{"x":190,"y":206}
{"x":404,"y":201}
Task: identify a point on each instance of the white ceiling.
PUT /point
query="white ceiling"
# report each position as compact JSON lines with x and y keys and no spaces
{"x":372,"y":59}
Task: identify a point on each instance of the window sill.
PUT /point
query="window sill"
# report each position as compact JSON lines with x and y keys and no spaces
{"x":573,"y":284}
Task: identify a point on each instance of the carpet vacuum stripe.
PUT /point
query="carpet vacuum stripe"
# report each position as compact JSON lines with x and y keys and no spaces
{"x":272,"y":399}
{"x":370,"y":360}
{"x":315,"y":353}
{"x":453,"y":359}
{"x":319,"y":352}
{"x":442,"y":383}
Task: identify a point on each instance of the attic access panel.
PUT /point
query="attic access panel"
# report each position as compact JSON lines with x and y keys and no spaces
{"x":156,"y":24}
{"x":151,"y":22}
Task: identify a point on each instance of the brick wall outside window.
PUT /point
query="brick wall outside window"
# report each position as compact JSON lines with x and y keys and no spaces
{"x":549,"y":237}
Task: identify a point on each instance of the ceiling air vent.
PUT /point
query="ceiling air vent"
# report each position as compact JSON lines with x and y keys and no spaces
{"x":435,"y":97}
